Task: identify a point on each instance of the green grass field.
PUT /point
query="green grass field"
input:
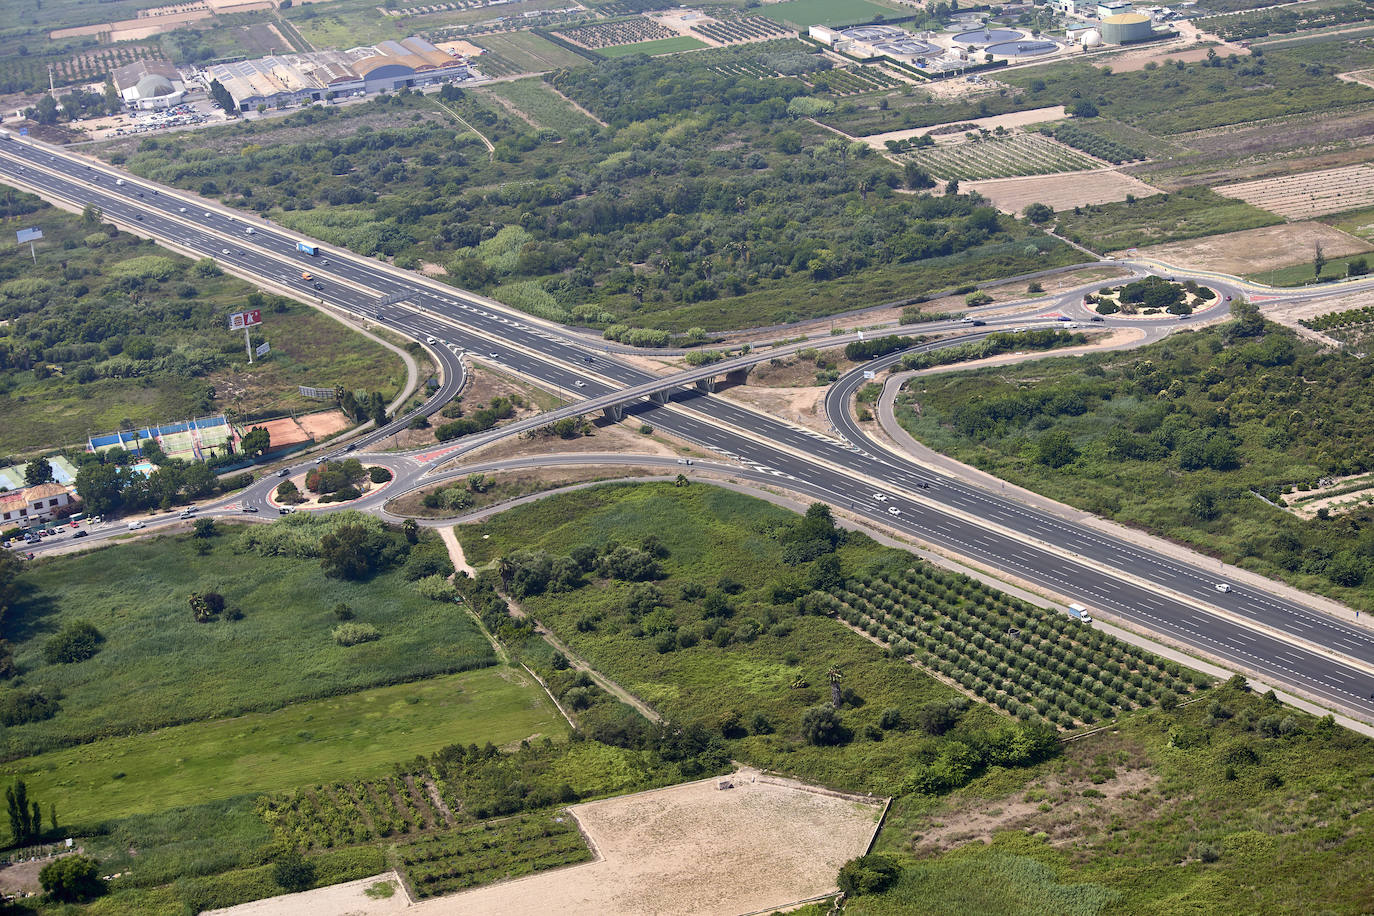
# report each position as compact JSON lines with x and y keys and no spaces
{"x":823,"y":12}
{"x":338,"y":738}
{"x":528,"y":52}
{"x":1303,"y":274}
{"x":158,"y":666}
{"x":543,"y":105}
{"x":653,"y":48}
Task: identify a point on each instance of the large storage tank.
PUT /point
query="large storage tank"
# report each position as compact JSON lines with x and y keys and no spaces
{"x":1124,"y":28}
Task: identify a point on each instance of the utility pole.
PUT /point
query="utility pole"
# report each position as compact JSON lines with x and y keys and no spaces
{"x":248,"y":344}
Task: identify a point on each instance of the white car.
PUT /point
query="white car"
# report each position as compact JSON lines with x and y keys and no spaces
{"x":207,"y":212}
{"x":1223,"y":587}
{"x":893,"y":510}
{"x":224,"y":251}
{"x":181,"y":209}
{"x":880,"y":497}
{"x":579,"y":384}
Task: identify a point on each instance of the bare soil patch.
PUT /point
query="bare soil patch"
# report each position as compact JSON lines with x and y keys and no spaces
{"x":350,"y":898}
{"x":692,"y":849}
{"x":1162,"y":53}
{"x":794,"y":371}
{"x":1253,"y":250}
{"x":802,"y":406}
{"x":605,"y":436}
{"x":1062,"y":192}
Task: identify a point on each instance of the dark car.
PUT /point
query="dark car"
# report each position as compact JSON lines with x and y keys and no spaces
{"x":248,"y":508}
{"x":81,"y":534}
{"x":977,"y":324}
{"x":319,"y":286}
{"x":139,"y":217}
{"x":284,"y":472}
{"x":1095,"y":318}
{"x":283,"y":511}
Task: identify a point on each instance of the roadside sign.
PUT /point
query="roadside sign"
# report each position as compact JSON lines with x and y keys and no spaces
{"x":870,"y":374}
{"x":28,"y":235}
{"x":263,"y":349}
{"x":240,"y":320}
{"x":318,"y":394}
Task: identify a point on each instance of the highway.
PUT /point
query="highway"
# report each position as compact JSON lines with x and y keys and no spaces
{"x":1173,"y":598}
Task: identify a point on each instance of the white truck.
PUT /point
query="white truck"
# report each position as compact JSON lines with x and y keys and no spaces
{"x":1079,"y":612}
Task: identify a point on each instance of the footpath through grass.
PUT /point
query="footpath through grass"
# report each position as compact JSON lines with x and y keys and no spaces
{"x":338,"y":738}
{"x":157,"y":666}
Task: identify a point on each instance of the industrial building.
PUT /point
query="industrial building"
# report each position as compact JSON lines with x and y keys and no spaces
{"x":149,"y":84}
{"x":1124,"y":28}
{"x":284,"y":81}
{"x":1107,"y":8}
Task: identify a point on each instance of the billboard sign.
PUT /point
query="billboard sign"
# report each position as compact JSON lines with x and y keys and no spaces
{"x":318,"y":394}
{"x":263,"y":349}
{"x":29,"y":235}
{"x":240,"y":320}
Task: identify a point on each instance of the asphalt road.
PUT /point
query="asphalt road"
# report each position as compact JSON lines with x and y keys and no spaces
{"x":1173,"y":598}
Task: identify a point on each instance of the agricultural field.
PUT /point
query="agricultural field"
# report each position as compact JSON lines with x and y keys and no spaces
{"x":279,"y":650}
{"x":1022,"y":659}
{"x":543,"y":105}
{"x":527,"y":52}
{"x":492,"y":852}
{"x":998,"y":157}
{"x":741,"y":29}
{"x":1093,"y":144}
{"x":853,"y":80}
{"x":1253,"y":24}
{"x":764,"y":843}
{"x":165,"y":359}
{"x":1060,"y":192}
{"x":345,"y":24}
{"x":600,"y":35}
{"x":654,"y":48}
{"x":803,"y":13}
{"x":1309,"y":194}
{"x":1159,"y":218}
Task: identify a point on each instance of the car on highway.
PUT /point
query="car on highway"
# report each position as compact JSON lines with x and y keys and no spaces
{"x":250,"y":230}
{"x":1223,"y":587}
{"x":579,"y":384}
{"x":284,"y":472}
{"x":319,"y":286}
{"x":81,"y":534}
{"x":285,"y":510}
{"x":207,"y":212}
{"x":1095,"y":318}
{"x":977,"y":323}
{"x":494,"y":355}
{"x":224,"y":251}
{"x":893,"y":510}
{"x":139,"y":217}
{"x":248,"y":508}
{"x":589,"y":359}
{"x":879,"y":497}
{"x":181,"y":209}
{"x":326,"y":262}
{"x":187,"y":514}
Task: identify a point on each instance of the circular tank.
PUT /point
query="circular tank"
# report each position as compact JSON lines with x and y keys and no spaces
{"x":982,"y":37}
{"x":1124,"y":28}
{"x":1028,"y":48}
{"x":1090,"y":39}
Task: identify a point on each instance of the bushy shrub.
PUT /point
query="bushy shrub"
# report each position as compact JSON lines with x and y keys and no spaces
{"x":78,"y":641}
{"x":436,"y":588}
{"x":352,"y":634}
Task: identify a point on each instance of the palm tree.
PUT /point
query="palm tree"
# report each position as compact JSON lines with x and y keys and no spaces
{"x":505,"y":569}
{"x":835,"y":676}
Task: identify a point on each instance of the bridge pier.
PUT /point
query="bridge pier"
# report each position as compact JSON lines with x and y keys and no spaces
{"x":661,"y":397}
{"x":706,"y":385}
{"x":737,"y":376}
{"x":615,"y":412}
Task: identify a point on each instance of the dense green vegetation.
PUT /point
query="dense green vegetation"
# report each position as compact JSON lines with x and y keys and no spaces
{"x":1181,"y":97}
{"x":107,"y":330}
{"x":720,"y":625}
{"x":1181,"y":438}
{"x":158,"y":666}
{"x":1235,"y":805}
{"x":1249,"y":25}
{"x":1184,"y":214}
{"x":704,"y":204}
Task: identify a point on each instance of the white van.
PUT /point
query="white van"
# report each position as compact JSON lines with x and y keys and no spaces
{"x":1079,"y":612}
{"x":134,"y":526}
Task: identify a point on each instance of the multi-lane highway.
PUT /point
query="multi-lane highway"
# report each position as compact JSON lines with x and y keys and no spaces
{"x":1283,"y":640}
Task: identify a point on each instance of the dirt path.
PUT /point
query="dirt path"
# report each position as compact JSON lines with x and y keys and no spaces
{"x":460,"y":563}
{"x":577,"y":106}
{"x":491,"y":148}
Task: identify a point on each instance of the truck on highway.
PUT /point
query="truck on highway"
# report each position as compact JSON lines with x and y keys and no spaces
{"x":1079,"y":612}
{"x":307,"y":248}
